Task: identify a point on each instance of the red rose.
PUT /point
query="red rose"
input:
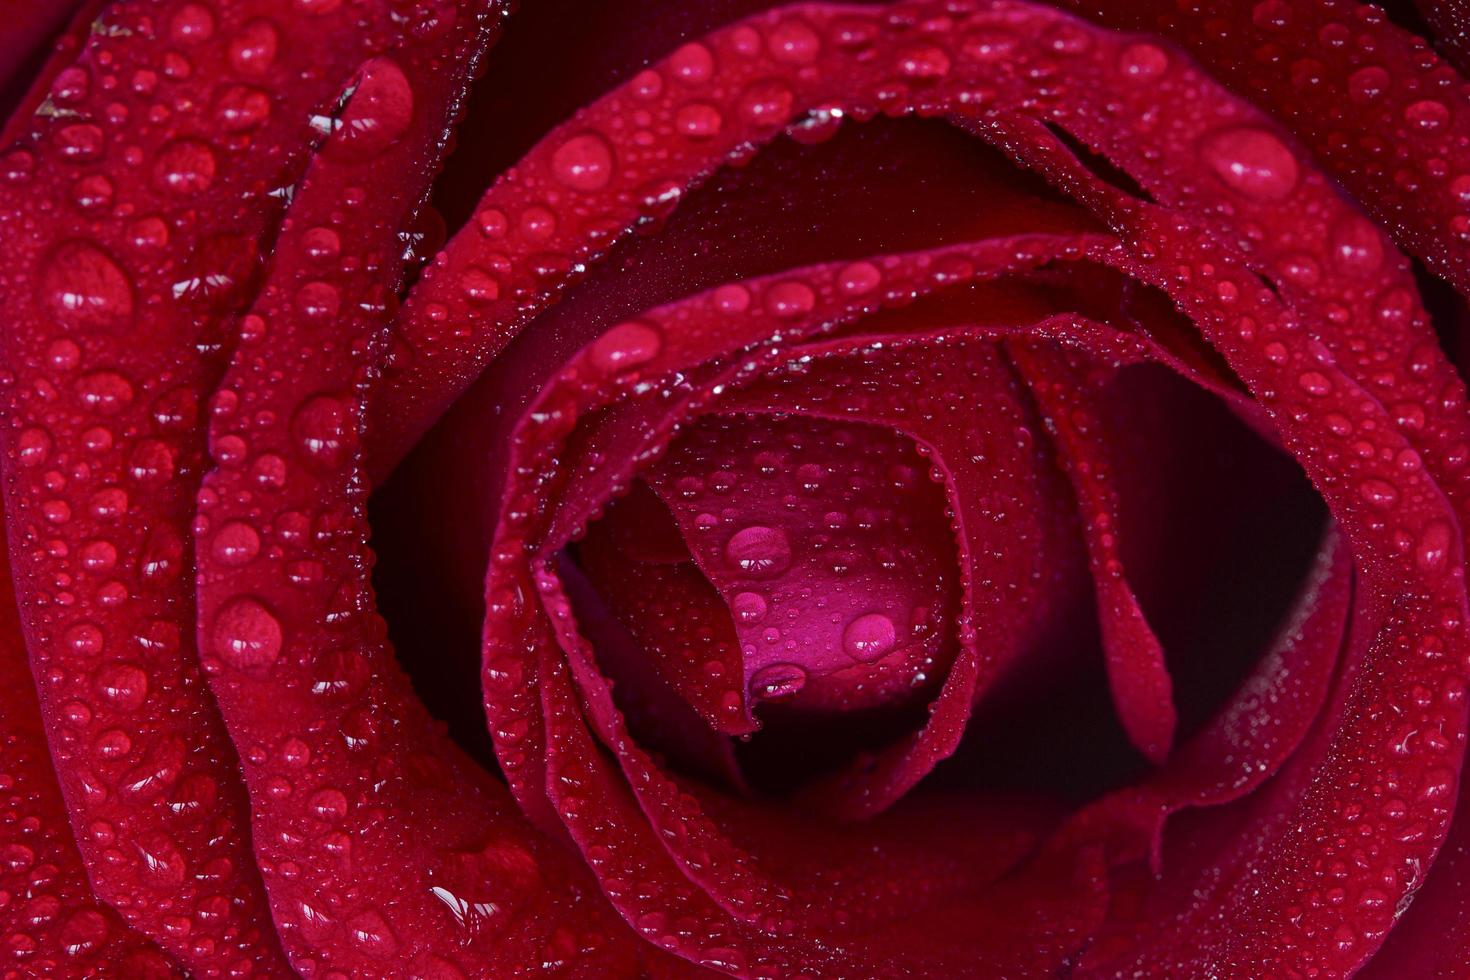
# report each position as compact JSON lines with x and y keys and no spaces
{"x":942,"y":488}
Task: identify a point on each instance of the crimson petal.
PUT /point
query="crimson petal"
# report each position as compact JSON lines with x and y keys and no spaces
{"x":383,"y":848}
{"x":1450,"y":20}
{"x":1384,"y":115}
{"x":1142,"y":689}
{"x":836,"y":573}
{"x":122,"y":416}
{"x":50,"y":922}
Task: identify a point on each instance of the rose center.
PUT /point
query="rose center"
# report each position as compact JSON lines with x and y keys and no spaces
{"x":825,"y":545}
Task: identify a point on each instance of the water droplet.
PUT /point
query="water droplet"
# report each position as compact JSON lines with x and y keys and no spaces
{"x":777,"y":681}
{"x":1367,"y":84}
{"x":85,"y":639}
{"x":794,"y":42}
{"x":647,"y":84}
{"x":749,"y":607}
{"x":321,"y":243}
{"x":925,"y":63}
{"x":868,"y":638}
{"x":1252,"y":162}
{"x":105,"y":392}
{"x":1433,"y":550}
{"x":125,"y":685}
{"x":162,"y":860}
{"x":1379,"y":493}
{"x":236,"y":543}
{"x":322,"y":427}
{"x":328,"y":804}
{"x":626,"y":346}
{"x":1314,"y":383}
{"x":83,"y":932}
{"x":81,"y":285}
{"x":33,"y":446}
{"x":80,"y":141}
{"x":97,"y":556}
{"x":241,"y":108}
{"x":790,"y":299}
{"x":319,"y":301}
{"x":151,"y":463}
{"x":247,"y":634}
{"x":1143,"y":61}
{"x":378,"y":114}
{"x":1354,"y":245}
{"x":1426,"y":115}
{"x":371,"y":931}
{"x":691,"y":64}
{"x":583,"y":163}
{"x":479,"y":286}
{"x":698,"y":120}
{"x":859,"y":278}
{"x":71,"y":85}
{"x":766,"y":103}
{"x":253,"y":50}
{"x":759,"y":551}
{"x":191,"y":24}
{"x":184,"y":167}
{"x":732,"y":298}
{"x":92,"y":192}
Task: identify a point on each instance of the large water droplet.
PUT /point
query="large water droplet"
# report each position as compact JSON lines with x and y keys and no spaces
{"x":253,"y":50}
{"x":690,"y":64}
{"x":626,"y":346}
{"x":125,"y":685}
{"x":1252,"y":162}
{"x":759,"y":551}
{"x":1142,"y":61}
{"x":698,"y":120}
{"x":241,"y":108}
{"x":583,"y":162}
{"x":868,"y":638}
{"x":777,"y":681}
{"x":378,"y":114}
{"x":794,"y":42}
{"x":184,"y":167}
{"x":748,"y":607}
{"x":247,"y":634}
{"x":323,"y":429}
{"x":236,"y":543}
{"x":81,"y":285}
{"x":1354,"y":245}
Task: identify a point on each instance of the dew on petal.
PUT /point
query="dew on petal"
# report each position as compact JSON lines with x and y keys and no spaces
{"x":247,"y":634}
{"x":1253,"y":162}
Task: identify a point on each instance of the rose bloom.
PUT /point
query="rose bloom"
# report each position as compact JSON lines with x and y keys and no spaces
{"x":656,"y":489}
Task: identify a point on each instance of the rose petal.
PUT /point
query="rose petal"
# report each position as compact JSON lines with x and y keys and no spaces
{"x":27,"y":29}
{"x":53,"y":922}
{"x":382,"y":847}
{"x":1431,"y":930}
{"x":829,"y":551}
{"x":1250,"y":738}
{"x":682,"y":625}
{"x":1405,"y":112}
{"x":1142,"y":690}
{"x":1449,"y":20}
{"x":106,"y":332}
